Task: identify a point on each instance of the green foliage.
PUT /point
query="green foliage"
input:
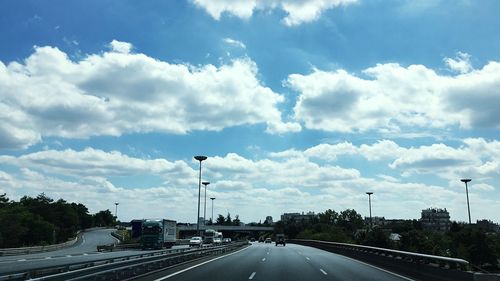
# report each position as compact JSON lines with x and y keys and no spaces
{"x":41,"y":221}
{"x":472,"y":244}
{"x":220,"y":220}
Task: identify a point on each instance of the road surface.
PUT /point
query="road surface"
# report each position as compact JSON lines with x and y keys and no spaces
{"x":84,"y":250}
{"x":267,"y":262}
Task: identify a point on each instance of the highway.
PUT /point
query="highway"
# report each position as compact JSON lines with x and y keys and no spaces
{"x":267,"y":262}
{"x":84,"y":250}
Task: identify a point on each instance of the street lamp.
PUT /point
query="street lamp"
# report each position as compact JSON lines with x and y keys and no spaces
{"x":212,"y":198}
{"x":467,"y":193}
{"x":205,"y":183}
{"x":116,"y":209}
{"x":199,"y":158}
{"x":370,"y":206}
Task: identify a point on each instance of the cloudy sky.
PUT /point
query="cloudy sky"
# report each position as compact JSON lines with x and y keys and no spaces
{"x":299,"y":105}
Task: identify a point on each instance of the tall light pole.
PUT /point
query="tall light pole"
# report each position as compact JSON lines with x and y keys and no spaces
{"x":199,"y":158}
{"x":467,"y":193}
{"x":116,"y":210}
{"x":205,"y":183}
{"x":370,"y":207}
{"x":212,"y":198}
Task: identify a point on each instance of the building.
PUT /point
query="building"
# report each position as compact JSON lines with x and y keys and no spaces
{"x":298,"y":217}
{"x":435,"y":219}
{"x":269,"y":220}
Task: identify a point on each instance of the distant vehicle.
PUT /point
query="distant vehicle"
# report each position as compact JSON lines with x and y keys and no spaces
{"x":252,"y":239}
{"x":280,"y":239}
{"x":209,"y":235}
{"x":268,"y":240}
{"x":157,"y":234}
{"x":226,"y":240}
{"x":217,"y":241}
{"x":261,"y":239}
{"x":195,"y":241}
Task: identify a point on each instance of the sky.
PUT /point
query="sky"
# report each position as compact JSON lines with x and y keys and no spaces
{"x":298,"y":105}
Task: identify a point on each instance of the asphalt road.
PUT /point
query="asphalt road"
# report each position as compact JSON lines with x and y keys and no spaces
{"x":267,"y":262}
{"x":84,"y":250}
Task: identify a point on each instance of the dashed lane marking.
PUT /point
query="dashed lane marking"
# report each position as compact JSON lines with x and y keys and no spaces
{"x":48,"y":258}
{"x":264,"y":259}
{"x":322,"y":271}
{"x":308,"y":259}
{"x":200,"y":264}
{"x":22,"y":260}
{"x":252,"y":275}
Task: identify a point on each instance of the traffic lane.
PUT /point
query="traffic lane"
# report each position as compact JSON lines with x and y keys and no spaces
{"x":341,"y":267}
{"x":267,"y":262}
{"x":257,"y":262}
{"x":87,"y":243}
{"x":233,"y":266}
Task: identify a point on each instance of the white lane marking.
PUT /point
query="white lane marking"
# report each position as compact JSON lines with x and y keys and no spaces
{"x":381,"y":269}
{"x":264,"y":259}
{"x":322,"y":271}
{"x":308,"y":259}
{"x":196,"y":265}
{"x":22,"y":260}
{"x":252,"y":275}
{"x":85,"y":254}
{"x":48,"y":258}
{"x":68,"y":256}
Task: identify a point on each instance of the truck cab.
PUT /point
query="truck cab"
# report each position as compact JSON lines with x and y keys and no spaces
{"x":157,"y":234}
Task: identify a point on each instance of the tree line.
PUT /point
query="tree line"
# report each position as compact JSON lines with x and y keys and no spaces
{"x":462,"y":240}
{"x":43,"y":221}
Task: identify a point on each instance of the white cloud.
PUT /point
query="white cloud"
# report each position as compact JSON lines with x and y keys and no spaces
{"x":460,"y":64}
{"x":288,"y":181}
{"x":397,"y":98}
{"x":298,"y":12}
{"x":120,"y":47}
{"x":234,"y":43}
{"x":118,"y":92}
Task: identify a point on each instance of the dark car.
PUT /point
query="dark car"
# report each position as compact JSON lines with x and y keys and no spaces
{"x":280,"y":239}
{"x":268,"y":240}
{"x":261,"y":239}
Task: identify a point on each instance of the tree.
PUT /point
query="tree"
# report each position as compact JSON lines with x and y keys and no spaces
{"x":228,"y":219}
{"x":328,"y":217}
{"x":220,"y":220}
{"x":350,"y":220}
{"x":236,"y":220}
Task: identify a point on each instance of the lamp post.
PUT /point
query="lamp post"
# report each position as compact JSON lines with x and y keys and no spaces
{"x":116,"y":210}
{"x":467,"y":193}
{"x":199,"y":158}
{"x":370,"y":207}
{"x":205,"y":183}
{"x":212,"y":198}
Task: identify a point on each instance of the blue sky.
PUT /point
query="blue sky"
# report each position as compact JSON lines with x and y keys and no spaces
{"x":300,"y":106}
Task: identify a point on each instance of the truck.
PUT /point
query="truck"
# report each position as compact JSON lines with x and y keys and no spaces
{"x":280,"y":239}
{"x":158,"y":234}
{"x":209,"y":235}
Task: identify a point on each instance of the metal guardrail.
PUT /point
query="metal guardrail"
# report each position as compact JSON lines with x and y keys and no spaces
{"x":421,"y":266}
{"x":120,"y":267}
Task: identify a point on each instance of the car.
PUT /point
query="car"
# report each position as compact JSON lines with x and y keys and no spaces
{"x":217,"y":241}
{"x":252,"y":239}
{"x":195,"y":241}
{"x":226,"y":240}
{"x":280,"y":239}
{"x":261,"y":239}
{"x":268,"y":240}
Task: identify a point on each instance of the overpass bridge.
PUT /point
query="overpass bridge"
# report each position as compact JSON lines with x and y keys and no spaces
{"x":227,"y":230}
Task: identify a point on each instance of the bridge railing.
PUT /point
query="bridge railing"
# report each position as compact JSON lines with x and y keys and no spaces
{"x":420,"y":266}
